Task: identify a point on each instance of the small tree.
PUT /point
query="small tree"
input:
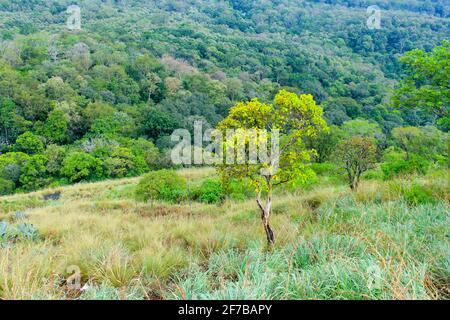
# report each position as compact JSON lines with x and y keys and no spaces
{"x":56,"y":128}
{"x":296,"y":117}
{"x":357,"y":155}
{"x":29,"y":143}
{"x":409,"y":139}
{"x":428,"y":142}
{"x":80,"y":166}
{"x":426,"y":85}
{"x":325,"y":143}
{"x":363,"y":128}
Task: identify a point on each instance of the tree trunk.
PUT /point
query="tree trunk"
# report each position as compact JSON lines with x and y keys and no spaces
{"x":267,"y":229}
{"x":265,"y":214}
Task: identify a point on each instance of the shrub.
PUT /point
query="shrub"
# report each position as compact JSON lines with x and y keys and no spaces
{"x":33,"y":173}
{"x":6,"y":187}
{"x":147,"y":150}
{"x":162,"y":185}
{"x":123,"y":163}
{"x":59,"y":183}
{"x":374,"y":174}
{"x":11,"y":165}
{"x":240,"y":189}
{"x":29,"y":143}
{"x":28,"y":172}
{"x":210,"y":191}
{"x":118,"y":123}
{"x":417,"y":194}
{"x":56,"y":128}
{"x":80,"y":166}
{"x":325,"y":168}
{"x":392,"y":154}
{"x":403,"y":167}
{"x":55,"y":156}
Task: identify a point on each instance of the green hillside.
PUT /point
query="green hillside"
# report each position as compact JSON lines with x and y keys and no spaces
{"x":351,"y":98}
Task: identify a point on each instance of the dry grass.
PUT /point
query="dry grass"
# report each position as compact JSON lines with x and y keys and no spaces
{"x":127,"y":249}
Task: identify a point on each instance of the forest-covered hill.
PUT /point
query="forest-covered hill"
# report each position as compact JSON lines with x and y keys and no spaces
{"x":107,"y":94}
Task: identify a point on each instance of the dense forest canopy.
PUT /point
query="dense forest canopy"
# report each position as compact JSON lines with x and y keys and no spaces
{"x":109,"y":95}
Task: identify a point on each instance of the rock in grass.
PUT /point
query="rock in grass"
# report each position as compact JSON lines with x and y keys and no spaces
{"x":52,"y":196}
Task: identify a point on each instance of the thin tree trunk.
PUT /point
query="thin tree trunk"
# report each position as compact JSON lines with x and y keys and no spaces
{"x":269,"y":233}
{"x":265,"y":214}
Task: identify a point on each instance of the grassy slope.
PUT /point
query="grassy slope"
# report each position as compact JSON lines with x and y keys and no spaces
{"x":378,"y":243}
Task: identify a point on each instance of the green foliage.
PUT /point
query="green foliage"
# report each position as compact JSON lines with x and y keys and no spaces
{"x":121,"y":162}
{"x":103,"y":83}
{"x":401,"y":167}
{"x":325,"y":168}
{"x":56,"y":127}
{"x":6,"y":187}
{"x":426,"y":86}
{"x":410,"y":139}
{"x":29,"y":143}
{"x":416,"y":194}
{"x":97,"y":110}
{"x":375,"y":174}
{"x":159,"y":123}
{"x":393,"y":154}
{"x":361,"y":127}
{"x":297,"y":117}
{"x":209,"y":191}
{"x":241,"y":189}
{"x":11,"y":165}
{"x":119,"y":123}
{"x":55,"y":155}
{"x":162,"y":185}
{"x":34,"y":172}
{"x":148,"y":151}
{"x":11,"y":123}
{"x":356,"y":155}
{"x":79,"y":166}
{"x":325,"y":143}
{"x":428,"y":142}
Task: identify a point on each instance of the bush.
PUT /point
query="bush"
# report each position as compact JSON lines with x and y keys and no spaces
{"x":80,"y":166}
{"x":59,"y":183}
{"x":210,"y":191}
{"x":29,"y":143}
{"x":123,"y":163}
{"x":240,"y":189}
{"x":11,"y":165}
{"x":403,"y":167}
{"x":417,"y":194}
{"x":374,"y":174}
{"x":147,"y":150}
{"x":162,"y":185}
{"x":392,"y":154}
{"x":6,"y":187}
{"x":55,"y":156}
{"x":34,"y":173}
{"x":325,"y":168}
